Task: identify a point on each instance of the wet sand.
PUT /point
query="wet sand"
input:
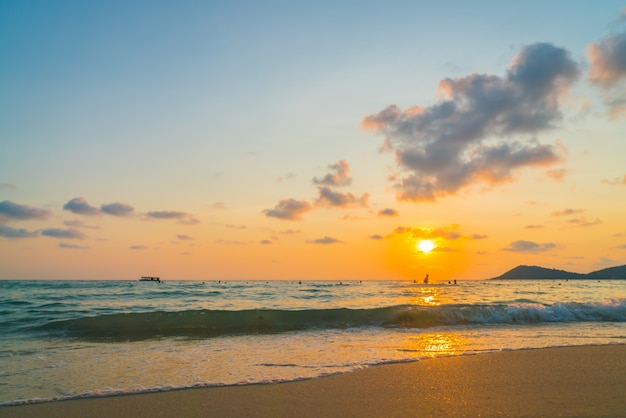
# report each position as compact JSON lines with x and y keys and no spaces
{"x":588,"y":381}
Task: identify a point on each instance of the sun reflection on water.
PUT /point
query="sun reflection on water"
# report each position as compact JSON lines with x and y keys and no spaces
{"x":435,"y":344}
{"x":427,"y":296}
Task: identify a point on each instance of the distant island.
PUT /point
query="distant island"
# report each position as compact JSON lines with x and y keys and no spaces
{"x":542,"y":273}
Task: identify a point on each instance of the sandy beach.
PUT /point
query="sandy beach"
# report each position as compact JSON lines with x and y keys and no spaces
{"x":569,"y":381}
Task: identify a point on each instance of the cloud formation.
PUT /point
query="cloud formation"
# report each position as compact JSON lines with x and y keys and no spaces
{"x":231,"y":242}
{"x":12,"y":210}
{"x":330,"y":198}
{"x":80,"y":206}
{"x":468,"y":136}
{"x":72,"y":246}
{"x":616,"y":181}
{"x":325,"y":241}
{"x":287,"y":176}
{"x":447,"y":232}
{"x":79,"y":224}
{"x":289,"y":209}
{"x":608,"y":60}
{"x":182,"y":217}
{"x":117,"y":209}
{"x":388,"y":212}
{"x":70,"y":233}
{"x":290,"y":231}
{"x":340,"y":177}
{"x":522,"y":246}
{"x":557,"y":175}
{"x":607,"y":70}
{"x":567,"y":212}
{"x":166,"y":214}
{"x":8,"y":232}
{"x":584,"y":222}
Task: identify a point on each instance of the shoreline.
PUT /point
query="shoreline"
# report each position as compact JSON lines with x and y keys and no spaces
{"x":566,"y":381}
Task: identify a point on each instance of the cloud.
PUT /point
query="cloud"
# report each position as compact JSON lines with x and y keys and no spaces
{"x":567,"y":212}
{"x":290,"y":231}
{"x":388,"y":212}
{"x":230,"y":242}
{"x":483,"y":128}
{"x":341,"y":177}
{"x":233,"y":226}
{"x":219,"y":205}
{"x":557,"y":175}
{"x":522,"y":246}
{"x":117,"y":209}
{"x":184,"y":237}
{"x":478,"y":236}
{"x":376,"y":237}
{"x":615,"y":182}
{"x":70,"y":233}
{"x":8,"y":186}
{"x":289,"y":209}
{"x":608,"y":60}
{"x":80,"y":206}
{"x":445,"y":250}
{"x":79,"y":224}
{"x":182,"y":217}
{"x":72,"y":246}
{"x":325,"y":241}
{"x":352,"y":218}
{"x":8,"y":232}
{"x":584,"y":222}
{"x":266,"y":242}
{"x":536,"y":226}
{"x":448,"y":232}
{"x":137,"y":247}
{"x":607,"y":70}
{"x":331,"y":198}
{"x":166,"y":214}
{"x":11,"y":210}
{"x":287,"y":176}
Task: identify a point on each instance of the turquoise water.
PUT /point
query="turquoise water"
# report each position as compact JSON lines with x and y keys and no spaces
{"x":67,"y":339}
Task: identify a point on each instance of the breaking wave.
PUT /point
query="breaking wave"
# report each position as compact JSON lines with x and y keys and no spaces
{"x":215,"y":323}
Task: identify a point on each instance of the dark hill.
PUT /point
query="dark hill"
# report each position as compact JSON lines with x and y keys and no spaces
{"x":539,"y":273}
{"x":618,"y":272}
{"x":536,"y":272}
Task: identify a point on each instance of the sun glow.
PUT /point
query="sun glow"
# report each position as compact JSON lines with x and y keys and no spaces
{"x":425,"y":246}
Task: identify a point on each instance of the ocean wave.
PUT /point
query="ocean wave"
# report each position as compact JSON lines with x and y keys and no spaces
{"x":214,"y":323}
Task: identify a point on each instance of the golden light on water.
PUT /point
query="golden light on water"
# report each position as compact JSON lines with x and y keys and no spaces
{"x":436,"y":344}
{"x":427,"y":297}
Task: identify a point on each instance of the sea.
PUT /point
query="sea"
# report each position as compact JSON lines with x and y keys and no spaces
{"x":76,"y":339}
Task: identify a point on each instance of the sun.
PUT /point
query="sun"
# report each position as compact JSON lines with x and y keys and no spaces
{"x":425,"y":245}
